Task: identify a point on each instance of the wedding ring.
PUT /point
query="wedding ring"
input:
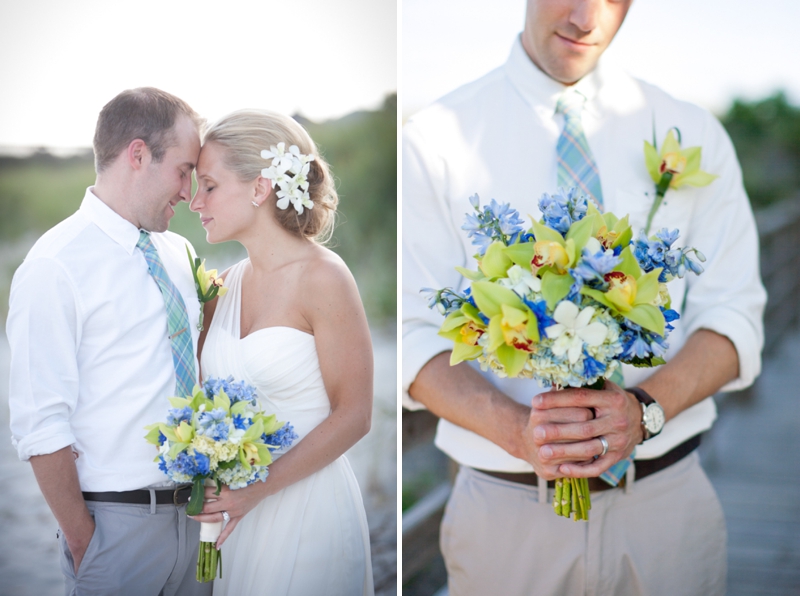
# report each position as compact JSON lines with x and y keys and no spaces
{"x":605,"y":446}
{"x":227,"y":517}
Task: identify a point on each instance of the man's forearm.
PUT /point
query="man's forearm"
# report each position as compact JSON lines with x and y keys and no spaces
{"x":462,"y":396}
{"x":705,"y":363}
{"x":58,"y":480}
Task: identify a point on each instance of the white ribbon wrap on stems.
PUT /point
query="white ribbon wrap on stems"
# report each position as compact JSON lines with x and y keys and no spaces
{"x":210,"y":531}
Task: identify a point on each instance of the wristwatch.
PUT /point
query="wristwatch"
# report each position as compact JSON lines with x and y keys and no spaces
{"x":652,"y":413}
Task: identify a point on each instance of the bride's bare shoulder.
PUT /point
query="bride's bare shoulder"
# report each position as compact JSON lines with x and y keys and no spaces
{"x":327,"y":281}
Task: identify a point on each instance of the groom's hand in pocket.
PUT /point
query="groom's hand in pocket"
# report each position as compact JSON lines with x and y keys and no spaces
{"x":78,"y":543}
{"x":58,"y":479}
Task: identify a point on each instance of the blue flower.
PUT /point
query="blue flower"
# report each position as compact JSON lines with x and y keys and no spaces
{"x":658,"y":252}
{"x":563,"y":208}
{"x":507,"y":218}
{"x":198,"y":464}
{"x":235,"y":390}
{"x":242,"y":422}
{"x":213,"y":424}
{"x":281,"y":438}
{"x":447,"y":300}
{"x":592,"y":267}
{"x":669,"y":316}
{"x":177,"y":415}
{"x":496,"y":222}
{"x":202,"y":463}
{"x":592,"y":368}
{"x":667,"y":236}
{"x":638,"y":343}
{"x":539,"y":308}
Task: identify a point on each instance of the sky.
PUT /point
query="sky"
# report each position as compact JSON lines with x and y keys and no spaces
{"x":61,"y":62}
{"x":704,"y":51}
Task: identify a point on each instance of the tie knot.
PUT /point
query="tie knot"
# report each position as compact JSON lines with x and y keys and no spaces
{"x":570,"y":103}
{"x":144,"y":244}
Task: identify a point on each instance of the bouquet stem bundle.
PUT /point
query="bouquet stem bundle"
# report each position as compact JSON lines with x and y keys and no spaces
{"x":209,"y":560}
{"x":209,"y":557}
{"x":572,"y":498}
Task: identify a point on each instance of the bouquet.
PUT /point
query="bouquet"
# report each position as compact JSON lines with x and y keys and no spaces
{"x":217,"y":435}
{"x":563,"y":302}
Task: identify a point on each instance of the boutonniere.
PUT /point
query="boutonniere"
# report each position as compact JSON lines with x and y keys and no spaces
{"x":673,"y":167}
{"x":207,"y":283}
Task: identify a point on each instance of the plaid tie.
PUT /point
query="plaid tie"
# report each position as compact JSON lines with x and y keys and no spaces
{"x":180,"y":337}
{"x":576,"y":166}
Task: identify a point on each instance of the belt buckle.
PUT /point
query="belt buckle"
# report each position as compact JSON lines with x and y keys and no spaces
{"x":175,"y":493}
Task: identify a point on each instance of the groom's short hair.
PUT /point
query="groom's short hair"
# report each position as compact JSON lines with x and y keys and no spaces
{"x":144,"y":113}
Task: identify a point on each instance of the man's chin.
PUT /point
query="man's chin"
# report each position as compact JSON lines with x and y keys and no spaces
{"x":569,"y":71}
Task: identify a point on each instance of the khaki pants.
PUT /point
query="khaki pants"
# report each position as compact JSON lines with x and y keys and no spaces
{"x":665,"y":536}
{"x":135,"y":551}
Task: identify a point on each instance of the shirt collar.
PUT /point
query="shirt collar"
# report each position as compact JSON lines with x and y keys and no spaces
{"x":539,"y":90}
{"x":114,"y":225}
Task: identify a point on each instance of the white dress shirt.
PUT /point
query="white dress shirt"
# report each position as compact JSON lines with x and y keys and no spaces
{"x":497,"y":136}
{"x":91,"y":363}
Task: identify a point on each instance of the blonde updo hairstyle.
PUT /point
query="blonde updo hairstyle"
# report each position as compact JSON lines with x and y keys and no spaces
{"x":245,"y":133}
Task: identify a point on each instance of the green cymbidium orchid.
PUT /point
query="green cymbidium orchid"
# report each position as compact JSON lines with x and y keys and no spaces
{"x":251,"y":451}
{"x":673,"y":167}
{"x":207,"y":283}
{"x":632,"y":294}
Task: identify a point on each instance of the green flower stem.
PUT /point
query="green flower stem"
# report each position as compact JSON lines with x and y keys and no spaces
{"x":661,"y":190}
{"x":557,"y":497}
{"x":209,"y":560}
{"x":574,"y":498}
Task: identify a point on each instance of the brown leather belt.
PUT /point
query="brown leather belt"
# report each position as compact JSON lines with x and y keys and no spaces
{"x":644,"y":468}
{"x":173,"y":496}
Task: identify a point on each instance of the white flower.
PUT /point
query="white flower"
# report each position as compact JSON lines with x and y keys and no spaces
{"x":275,"y":151}
{"x":289,"y":188}
{"x":593,"y":246}
{"x":521,"y":281}
{"x":573,"y":329}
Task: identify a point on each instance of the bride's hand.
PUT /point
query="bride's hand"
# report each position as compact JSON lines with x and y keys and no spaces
{"x":236,"y":502}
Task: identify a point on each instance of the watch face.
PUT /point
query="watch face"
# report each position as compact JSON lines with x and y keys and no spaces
{"x":654,"y":418}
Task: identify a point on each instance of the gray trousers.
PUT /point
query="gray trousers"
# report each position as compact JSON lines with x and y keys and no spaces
{"x":136,"y":550}
{"x":665,"y":536}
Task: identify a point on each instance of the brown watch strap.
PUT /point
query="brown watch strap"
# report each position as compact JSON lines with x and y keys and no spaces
{"x":641,"y":395}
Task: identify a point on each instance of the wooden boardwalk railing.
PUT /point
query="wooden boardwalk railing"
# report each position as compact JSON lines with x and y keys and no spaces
{"x":779,"y":233}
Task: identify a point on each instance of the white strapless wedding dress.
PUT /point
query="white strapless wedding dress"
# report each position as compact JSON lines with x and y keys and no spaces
{"x":312,"y":537}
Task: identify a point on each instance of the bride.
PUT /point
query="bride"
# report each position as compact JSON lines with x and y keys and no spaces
{"x":293,"y":326}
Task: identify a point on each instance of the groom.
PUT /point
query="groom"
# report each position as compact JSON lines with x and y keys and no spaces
{"x":553,"y":114}
{"x":92,"y":362}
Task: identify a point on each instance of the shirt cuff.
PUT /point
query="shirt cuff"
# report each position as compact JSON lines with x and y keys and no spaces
{"x":419,"y":346}
{"x":43,"y":442}
{"x":747,"y":341}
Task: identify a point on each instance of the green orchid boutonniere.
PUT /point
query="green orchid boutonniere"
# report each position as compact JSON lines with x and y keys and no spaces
{"x":673,"y":167}
{"x":207,"y":283}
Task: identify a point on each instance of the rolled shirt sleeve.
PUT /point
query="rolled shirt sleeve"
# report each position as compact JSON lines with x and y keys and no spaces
{"x":43,"y":330}
{"x":431,"y":250}
{"x":728,"y":298}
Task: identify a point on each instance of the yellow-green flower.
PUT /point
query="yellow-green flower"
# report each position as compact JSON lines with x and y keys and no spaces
{"x":547,"y":252}
{"x":673,"y":167}
{"x":209,"y":279}
{"x":683,"y":165}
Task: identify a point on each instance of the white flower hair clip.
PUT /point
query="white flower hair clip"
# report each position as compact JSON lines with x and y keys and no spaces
{"x":289,"y":173}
